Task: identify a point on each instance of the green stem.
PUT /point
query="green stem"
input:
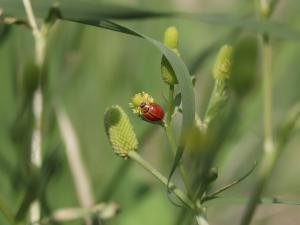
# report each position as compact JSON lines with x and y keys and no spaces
{"x":36,"y":149}
{"x":270,"y":153}
{"x":180,"y":194}
{"x":267,"y":91}
{"x":171,"y":104}
{"x":182,"y":171}
{"x":207,"y":117}
{"x":170,"y":136}
{"x":216,"y":102}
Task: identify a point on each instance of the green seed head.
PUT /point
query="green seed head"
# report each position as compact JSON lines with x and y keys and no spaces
{"x":223,"y":64}
{"x":120,"y":131}
{"x":171,"y":37}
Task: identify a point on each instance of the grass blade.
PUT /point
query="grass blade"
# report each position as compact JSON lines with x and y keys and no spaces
{"x":263,"y":200}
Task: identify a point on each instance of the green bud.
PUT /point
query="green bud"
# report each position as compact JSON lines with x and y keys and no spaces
{"x":120,"y":131}
{"x":221,"y":73}
{"x":222,"y":67}
{"x":171,"y":37}
{"x":266,"y":8}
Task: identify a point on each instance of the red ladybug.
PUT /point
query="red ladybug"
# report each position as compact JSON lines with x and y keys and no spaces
{"x":152,"y":112}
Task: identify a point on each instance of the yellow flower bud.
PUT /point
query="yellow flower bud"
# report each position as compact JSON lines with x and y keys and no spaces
{"x":223,"y":64}
{"x":120,"y":131}
{"x":171,"y":37}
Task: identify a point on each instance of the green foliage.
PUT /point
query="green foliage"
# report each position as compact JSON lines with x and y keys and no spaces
{"x":89,"y":68}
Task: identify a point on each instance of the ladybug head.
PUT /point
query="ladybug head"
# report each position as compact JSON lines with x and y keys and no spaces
{"x":145,"y":107}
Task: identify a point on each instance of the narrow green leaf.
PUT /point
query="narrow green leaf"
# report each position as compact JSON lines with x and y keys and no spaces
{"x":226,"y":187}
{"x":95,"y":11}
{"x":81,"y":10}
{"x":243,"y":200}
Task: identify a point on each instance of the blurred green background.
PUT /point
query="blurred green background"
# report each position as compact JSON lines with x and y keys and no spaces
{"x":90,"y":69}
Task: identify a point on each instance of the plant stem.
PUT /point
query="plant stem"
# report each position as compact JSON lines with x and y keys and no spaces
{"x":182,"y":172}
{"x":36,"y":144}
{"x":180,"y":194}
{"x":171,"y":104}
{"x":170,"y":136}
{"x":267,"y":91}
{"x":269,"y":153}
{"x":184,"y":177}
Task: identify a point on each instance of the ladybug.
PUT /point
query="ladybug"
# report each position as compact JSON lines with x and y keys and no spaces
{"x":152,"y":112}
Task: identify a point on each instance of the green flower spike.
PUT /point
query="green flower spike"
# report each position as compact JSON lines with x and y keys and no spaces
{"x":171,"y":41}
{"x":221,"y":74}
{"x":222,"y":67}
{"x":120,"y":131}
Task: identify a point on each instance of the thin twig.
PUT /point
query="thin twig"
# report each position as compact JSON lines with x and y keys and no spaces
{"x":102,"y":210}
{"x":78,"y":171}
{"x":31,"y":17}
